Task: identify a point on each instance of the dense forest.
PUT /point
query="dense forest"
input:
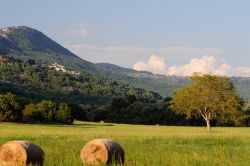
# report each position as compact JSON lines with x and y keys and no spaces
{"x":37,"y":81}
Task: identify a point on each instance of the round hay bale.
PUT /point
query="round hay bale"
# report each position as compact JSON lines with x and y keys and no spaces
{"x":102,"y":151}
{"x":20,"y":153}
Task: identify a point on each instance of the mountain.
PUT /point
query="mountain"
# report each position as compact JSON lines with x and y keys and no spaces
{"x":26,"y":43}
{"x":28,"y":39}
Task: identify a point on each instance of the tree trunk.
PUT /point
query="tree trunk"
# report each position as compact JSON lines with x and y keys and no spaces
{"x":208,"y":126}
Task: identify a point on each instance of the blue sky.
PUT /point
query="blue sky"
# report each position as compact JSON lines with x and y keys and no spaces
{"x":162,"y":36}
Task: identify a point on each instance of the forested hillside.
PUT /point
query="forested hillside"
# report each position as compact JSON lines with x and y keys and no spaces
{"x":38,"y":81}
{"x":164,"y":85}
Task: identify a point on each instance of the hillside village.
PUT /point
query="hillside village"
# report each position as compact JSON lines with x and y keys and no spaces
{"x":61,"y":68}
{"x":6,"y":60}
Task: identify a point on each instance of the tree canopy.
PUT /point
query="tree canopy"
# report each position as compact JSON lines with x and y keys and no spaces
{"x":208,"y":96}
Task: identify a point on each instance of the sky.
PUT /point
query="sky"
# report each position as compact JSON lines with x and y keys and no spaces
{"x":172,"y":37}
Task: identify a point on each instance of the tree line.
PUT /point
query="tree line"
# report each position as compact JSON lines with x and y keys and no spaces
{"x":13,"y":109}
{"x":128,"y":110}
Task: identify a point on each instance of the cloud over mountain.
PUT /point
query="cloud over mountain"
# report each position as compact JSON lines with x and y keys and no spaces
{"x":127,"y":56}
{"x":205,"y":64}
{"x":155,"y":64}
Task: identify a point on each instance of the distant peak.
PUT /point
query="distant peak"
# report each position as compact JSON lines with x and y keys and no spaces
{"x":22,"y":28}
{"x":16,"y":28}
{"x":6,"y":29}
{"x":24,"y":38}
{"x":4,"y":32}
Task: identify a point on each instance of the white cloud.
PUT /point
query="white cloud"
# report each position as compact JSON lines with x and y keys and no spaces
{"x":224,"y":69}
{"x":82,"y":29}
{"x":127,"y":56}
{"x":241,"y":71}
{"x":155,"y":64}
{"x":205,"y":65}
{"x":200,"y":65}
{"x":180,"y":60}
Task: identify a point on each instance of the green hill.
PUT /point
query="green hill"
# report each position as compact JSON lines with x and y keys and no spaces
{"x":38,"y":81}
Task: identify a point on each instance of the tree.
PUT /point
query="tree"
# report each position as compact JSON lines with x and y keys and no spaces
{"x":63,"y":114}
{"x":78,"y":112}
{"x":31,"y":114}
{"x":208,"y":96}
{"x":47,"y":110}
{"x":119,"y":102}
{"x":10,"y":108}
{"x":31,"y":62}
{"x":245,"y":119}
{"x":16,"y":106}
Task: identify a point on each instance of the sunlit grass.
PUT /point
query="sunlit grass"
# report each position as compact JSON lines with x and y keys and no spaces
{"x":143,"y":145}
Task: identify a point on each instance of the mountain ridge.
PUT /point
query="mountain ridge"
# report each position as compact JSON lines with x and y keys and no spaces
{"x":22,"y":42}
{"x":34,"y":38}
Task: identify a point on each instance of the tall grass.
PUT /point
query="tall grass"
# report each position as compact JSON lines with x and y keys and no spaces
{"x":143,"y":145}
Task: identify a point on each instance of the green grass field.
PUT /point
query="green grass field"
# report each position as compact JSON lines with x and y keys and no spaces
{"x":143,"y":145}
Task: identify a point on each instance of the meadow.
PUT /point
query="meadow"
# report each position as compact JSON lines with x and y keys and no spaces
{"x":143,"y":145}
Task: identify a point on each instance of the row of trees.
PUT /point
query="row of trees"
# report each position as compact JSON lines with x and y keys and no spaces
{"x":47,"y":112}
{"x":140,"y":112}
{"x":13,"y":109}
{"x":127,"y":109}
{"x":132,"y":110}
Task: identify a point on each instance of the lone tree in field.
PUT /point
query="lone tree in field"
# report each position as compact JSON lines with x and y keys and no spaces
{"x":208,"y":96}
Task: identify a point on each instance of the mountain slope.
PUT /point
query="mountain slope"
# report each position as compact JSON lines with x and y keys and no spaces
{"x":26,"y":43}
{"x":164,"y":85}
{"x":36,"y":82}
{"x":28,"y":39}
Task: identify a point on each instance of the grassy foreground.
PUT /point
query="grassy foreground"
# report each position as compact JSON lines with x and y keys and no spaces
{"x":143,"y":145}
